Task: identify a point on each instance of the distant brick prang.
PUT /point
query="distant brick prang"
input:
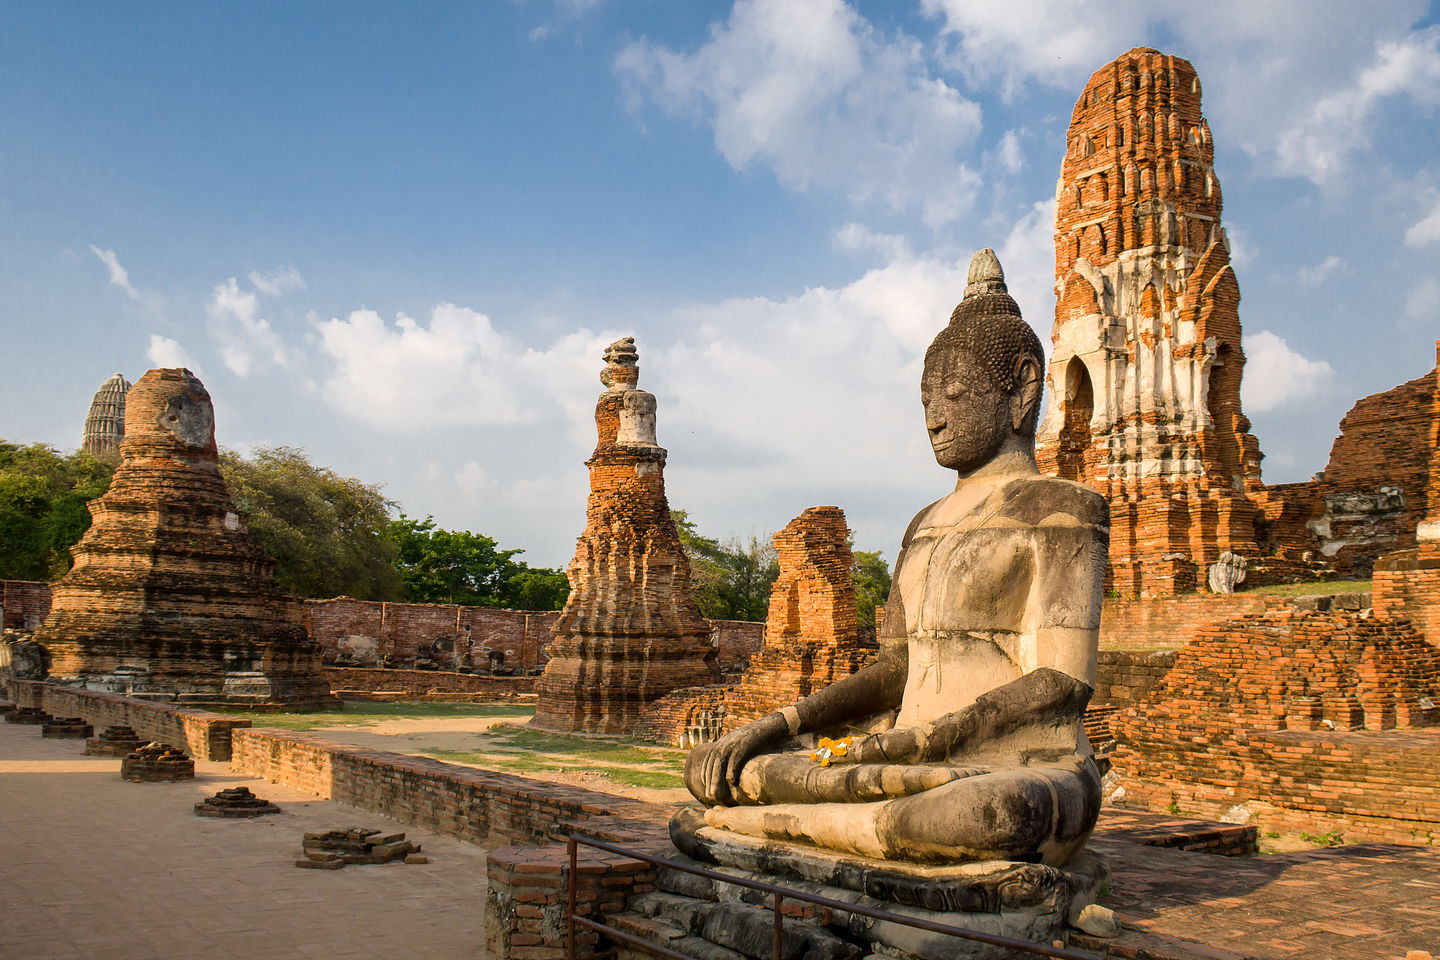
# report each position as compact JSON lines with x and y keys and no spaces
{"x":810,"y":635}
{"x":1303,"y":720}
{"x":630,"y":632}
{"x":1145,"y":373}
{"x":169,"y":593}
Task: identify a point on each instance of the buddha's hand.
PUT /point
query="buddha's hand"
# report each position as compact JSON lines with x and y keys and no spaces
{"x":712,"y":771}
{"x":920,"y":743}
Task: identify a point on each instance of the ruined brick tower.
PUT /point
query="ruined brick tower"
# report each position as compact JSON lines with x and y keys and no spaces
{"x":105,"y":423}
{"x":810,"y":636}
{"x":1145,"y":373}
{"x":169,"y":594}
{"x":630,"y":632}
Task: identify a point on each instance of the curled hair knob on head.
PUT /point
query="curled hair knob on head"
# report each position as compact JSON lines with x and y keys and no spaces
{"x":987,"y":324}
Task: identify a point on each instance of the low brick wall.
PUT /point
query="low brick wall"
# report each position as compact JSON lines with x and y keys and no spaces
{"x":205,"y":735}
{"x":1167,"y":623}
{"x":413,"y":683}
{"x":1407,"y":584}
{"x":479,"y":806}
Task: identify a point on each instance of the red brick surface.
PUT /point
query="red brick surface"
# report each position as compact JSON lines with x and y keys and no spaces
{"x":1315,"y":721}
{"x":26,"y":603}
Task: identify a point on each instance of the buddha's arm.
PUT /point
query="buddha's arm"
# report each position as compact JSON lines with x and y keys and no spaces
{"x":712,"y":770}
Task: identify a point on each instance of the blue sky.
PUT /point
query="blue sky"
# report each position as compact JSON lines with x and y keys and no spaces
{"x":399,"y":237}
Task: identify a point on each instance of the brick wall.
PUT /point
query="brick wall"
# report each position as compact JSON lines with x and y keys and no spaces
{"x":367,"y":629}
{"x":205,"y":735}
{"x":478,"y":806}
{"x":1305,"y":720}
{"x":368,"y":680}
{"x":26,"y":602}
{"x":685,"y":717}
{"x":1161,"y":622}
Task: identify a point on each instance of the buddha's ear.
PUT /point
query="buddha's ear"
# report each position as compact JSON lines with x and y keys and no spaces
{"x":1025,"y":395}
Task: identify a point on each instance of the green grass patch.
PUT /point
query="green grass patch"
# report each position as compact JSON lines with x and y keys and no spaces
{"x":653,"y":779}
{"x":364,"y":712}
{"x":1312,"y":588}
{"x":594,"y":749}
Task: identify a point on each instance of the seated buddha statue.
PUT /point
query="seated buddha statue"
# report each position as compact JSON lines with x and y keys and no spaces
{"x":965,"y":736}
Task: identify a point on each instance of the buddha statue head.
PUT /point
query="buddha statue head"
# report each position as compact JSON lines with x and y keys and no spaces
{"x":983,"y":375}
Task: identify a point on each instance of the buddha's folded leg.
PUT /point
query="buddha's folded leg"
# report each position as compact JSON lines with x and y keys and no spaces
{"x":790,"y":778}
{"x":1023,"y":814}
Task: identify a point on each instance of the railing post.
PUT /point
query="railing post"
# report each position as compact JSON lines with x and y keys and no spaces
{"x":779,"y":926}
{"x":570,"y":904}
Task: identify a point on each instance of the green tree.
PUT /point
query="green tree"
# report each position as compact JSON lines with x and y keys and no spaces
{"x":42,"y":507}
{"x":457,"y":566}
{"x":329,"y":535}
{"x":730,"y":580}
{"x":871,"y":576}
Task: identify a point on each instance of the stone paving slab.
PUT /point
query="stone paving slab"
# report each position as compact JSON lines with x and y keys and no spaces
{"x":92,"y":866}
{"x":1370,"y":901}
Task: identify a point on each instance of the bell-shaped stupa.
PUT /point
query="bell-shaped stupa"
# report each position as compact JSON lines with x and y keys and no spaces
{"x":169,"y":594}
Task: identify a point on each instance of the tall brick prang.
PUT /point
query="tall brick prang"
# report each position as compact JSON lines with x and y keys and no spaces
{"x":630,"y":632}
{"x":1146,"y":369}
{"x":169,"y":594}
{"x":810,"y":635}
{"x":105,"y":422}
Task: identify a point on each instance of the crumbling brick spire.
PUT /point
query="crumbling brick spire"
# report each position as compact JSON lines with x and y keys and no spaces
{"x":169,"y":594}
{"x":1145,"y":373}
{"x":810,"y":636}
{"x":630,"y":631}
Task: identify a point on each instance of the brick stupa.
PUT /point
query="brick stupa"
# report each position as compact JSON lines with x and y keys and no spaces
{"x":630,"y":632}
{"x":169,"y":595}
{"x":1146,"y":368}
{"x":810,"y":634}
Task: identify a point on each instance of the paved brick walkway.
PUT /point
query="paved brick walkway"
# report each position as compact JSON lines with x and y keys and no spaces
{"x":1363,"y":902}
{"x":92,"y":866}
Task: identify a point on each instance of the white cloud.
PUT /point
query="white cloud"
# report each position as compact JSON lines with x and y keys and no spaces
{"x":1241,"y":253}
{"x":1319,"y":144}
{"x":1422,"y":307}
{"x":166,"y":352}
{"x":119,"y":276}
{"x":277,"y":283}
{"x":1275,"y":375}
{"x":1011,"y":157}
{"x":246,"y":339}
{"x":1290,"y":51}
{"x":471,"y":478}
{"x":1314,"y":276}
{"x":856,"y":236}
{"x":456,"y":371}
{"x":1427,"y":230}
{"x":812,"y":90}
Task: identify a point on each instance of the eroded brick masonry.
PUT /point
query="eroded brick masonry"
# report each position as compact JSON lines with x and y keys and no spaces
{"x":1145,"y":373}
{"x":810,"y":633}
{"x":169,"y":594}
{"x":630,"y":632}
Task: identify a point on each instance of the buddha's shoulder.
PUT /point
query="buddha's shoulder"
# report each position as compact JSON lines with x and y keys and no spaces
{"x":1050,"y":501}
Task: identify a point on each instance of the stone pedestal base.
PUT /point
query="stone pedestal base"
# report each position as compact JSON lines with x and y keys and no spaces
{"x":1022,"y":901}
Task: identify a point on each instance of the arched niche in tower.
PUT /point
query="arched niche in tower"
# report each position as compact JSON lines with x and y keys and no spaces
{"x":1076,"y":442}
{"x":1078,"y":296}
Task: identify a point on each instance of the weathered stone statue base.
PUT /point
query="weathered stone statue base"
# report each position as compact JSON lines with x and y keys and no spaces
{"x":1023,"y":901}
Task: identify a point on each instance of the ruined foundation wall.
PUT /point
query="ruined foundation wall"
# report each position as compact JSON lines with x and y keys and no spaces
{"x":205,"y":735}
{"x":1298,"y":720}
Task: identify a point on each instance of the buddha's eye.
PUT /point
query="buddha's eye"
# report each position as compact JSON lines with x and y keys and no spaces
{"x":954,"y":390}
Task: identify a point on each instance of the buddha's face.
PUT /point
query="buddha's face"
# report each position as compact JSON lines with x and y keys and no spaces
{"x":966,"y":414}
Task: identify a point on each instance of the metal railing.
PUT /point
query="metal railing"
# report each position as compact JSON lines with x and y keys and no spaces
{"x":779,"y":894}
